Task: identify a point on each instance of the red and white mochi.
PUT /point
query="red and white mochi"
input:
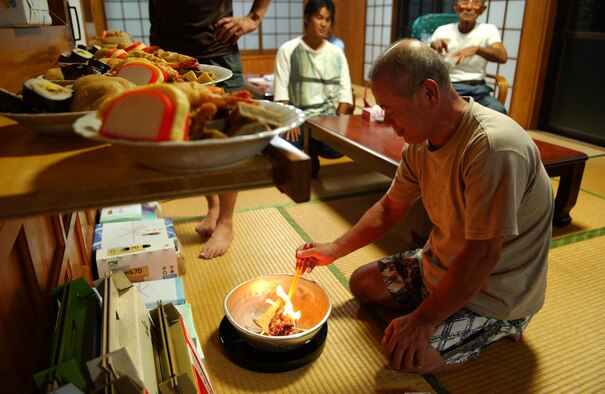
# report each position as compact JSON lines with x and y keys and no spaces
{"x":137,"y":46}
{"x":141,"y":73}
{"x":149,"y":113}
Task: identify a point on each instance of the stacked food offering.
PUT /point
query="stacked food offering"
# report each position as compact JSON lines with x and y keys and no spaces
{"x":81,"y":79}
{"x":120,"y":58}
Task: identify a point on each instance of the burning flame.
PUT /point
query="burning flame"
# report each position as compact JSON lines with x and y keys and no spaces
{"x":288,"y":308}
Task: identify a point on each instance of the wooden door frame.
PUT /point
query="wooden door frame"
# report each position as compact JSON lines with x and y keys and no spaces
{"x":532,"y":63}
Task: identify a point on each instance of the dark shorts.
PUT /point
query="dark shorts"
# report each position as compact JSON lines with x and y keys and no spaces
{"x":232,"y":62}
{"x":463,"y":335}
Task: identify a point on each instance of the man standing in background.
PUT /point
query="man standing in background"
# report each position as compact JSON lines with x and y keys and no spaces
{"x":207,"y":30}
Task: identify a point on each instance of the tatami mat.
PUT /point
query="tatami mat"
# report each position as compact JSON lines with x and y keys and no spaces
{"x":588,"y":214}
{"x":563,"y":348}
{"x":593,"y":180}
{"x":351,"y":361}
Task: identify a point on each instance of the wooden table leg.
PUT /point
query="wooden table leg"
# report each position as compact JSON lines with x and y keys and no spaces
{"x":570,"y":178}
{"x":311,"y":148}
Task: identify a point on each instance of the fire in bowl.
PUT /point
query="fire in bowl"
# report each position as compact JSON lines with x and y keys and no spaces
{"x":247,"y":302}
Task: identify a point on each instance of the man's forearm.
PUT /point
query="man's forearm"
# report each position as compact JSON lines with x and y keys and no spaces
{"x":258,"y":10}
{"x":493,"y":54}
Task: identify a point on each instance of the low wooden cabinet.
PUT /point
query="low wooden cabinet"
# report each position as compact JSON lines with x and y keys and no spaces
{"x":37,"y":254}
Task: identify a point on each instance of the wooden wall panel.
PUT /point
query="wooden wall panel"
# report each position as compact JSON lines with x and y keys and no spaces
{"x":25,"y":328}
{"x":258,"y":64}
{"x":30,"y":52}
{"x":43,"y":247}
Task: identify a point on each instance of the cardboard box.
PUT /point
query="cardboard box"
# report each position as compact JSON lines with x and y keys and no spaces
{"x":128,"y":345}
{"x":123,"y":234}
{"x":149,"y":261}
{"x":187,"y":315}
{"x":25,"y":13}
{"x":169,"y":291}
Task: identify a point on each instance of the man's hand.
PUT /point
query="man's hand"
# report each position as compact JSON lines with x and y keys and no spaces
{"x":440,"y":45}
{"x":231,"y":29}
{"x":310,"y":255}
{"x":405,"y":342}
{"x":293,"y":134}
{"x":494,"y":53}
{"x":464,"y":53}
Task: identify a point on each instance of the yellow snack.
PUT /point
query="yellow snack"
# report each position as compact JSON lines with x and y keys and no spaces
{"x":190,"y":76}
{"x":205,"y":78}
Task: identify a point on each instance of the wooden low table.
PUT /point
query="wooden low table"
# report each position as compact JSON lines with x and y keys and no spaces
{"x":377,"y":147}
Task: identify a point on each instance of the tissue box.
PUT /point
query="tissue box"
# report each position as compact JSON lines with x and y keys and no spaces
{"x":140,"y":262}
{"x":373,"y":114}
{"x":25,"y":13}
{"x":169,"y":291}
{"x":122,"y":213}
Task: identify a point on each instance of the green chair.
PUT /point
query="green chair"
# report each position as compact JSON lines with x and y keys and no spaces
{"x":423,"y":28}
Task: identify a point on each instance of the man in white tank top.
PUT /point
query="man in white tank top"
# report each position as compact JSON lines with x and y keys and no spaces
{"x":468,"y":46}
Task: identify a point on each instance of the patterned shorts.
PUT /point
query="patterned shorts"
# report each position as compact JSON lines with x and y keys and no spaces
{"x":463,"y":335}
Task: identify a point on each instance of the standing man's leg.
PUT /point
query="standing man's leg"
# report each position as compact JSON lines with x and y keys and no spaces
{"x":218,"y":223}
{"x":222,"y":234}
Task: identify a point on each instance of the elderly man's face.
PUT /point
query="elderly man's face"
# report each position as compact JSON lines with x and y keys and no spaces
{"x":469,"y":10}
{"x":406,"y":115}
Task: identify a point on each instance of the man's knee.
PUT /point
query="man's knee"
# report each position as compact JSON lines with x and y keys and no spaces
{"x":363,"y":283}
{"x":356,"y":285}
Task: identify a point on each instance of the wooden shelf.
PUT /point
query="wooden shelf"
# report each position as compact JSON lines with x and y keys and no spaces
{"x":46,"y":175}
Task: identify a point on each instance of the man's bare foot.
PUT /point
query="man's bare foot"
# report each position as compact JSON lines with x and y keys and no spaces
{"x":518,"y":338}
{"x":206,"y":226}
{"x":219,"y":242}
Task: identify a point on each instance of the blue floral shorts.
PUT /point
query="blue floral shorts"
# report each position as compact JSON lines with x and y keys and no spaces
{"x":463,"y":335}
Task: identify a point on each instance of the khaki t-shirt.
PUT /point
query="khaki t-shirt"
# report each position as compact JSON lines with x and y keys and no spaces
{"x":487,"y":181}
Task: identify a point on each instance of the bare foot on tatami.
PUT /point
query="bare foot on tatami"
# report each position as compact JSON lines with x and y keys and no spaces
{"x":218,"y":243}
{"x":206,"y":226}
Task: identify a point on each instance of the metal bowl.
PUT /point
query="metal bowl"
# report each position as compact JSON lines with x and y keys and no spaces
{"x":246,"y":302}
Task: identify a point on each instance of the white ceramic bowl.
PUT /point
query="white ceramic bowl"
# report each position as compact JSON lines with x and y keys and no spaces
{"x":246,"y":302}
{"x":56,"y":124}
{"x":197,"y":155}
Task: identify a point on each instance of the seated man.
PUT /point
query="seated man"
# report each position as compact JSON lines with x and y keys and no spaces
{"x":312,"y":74}
{"x":469,"y":46}
{"x":482,"y":274}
